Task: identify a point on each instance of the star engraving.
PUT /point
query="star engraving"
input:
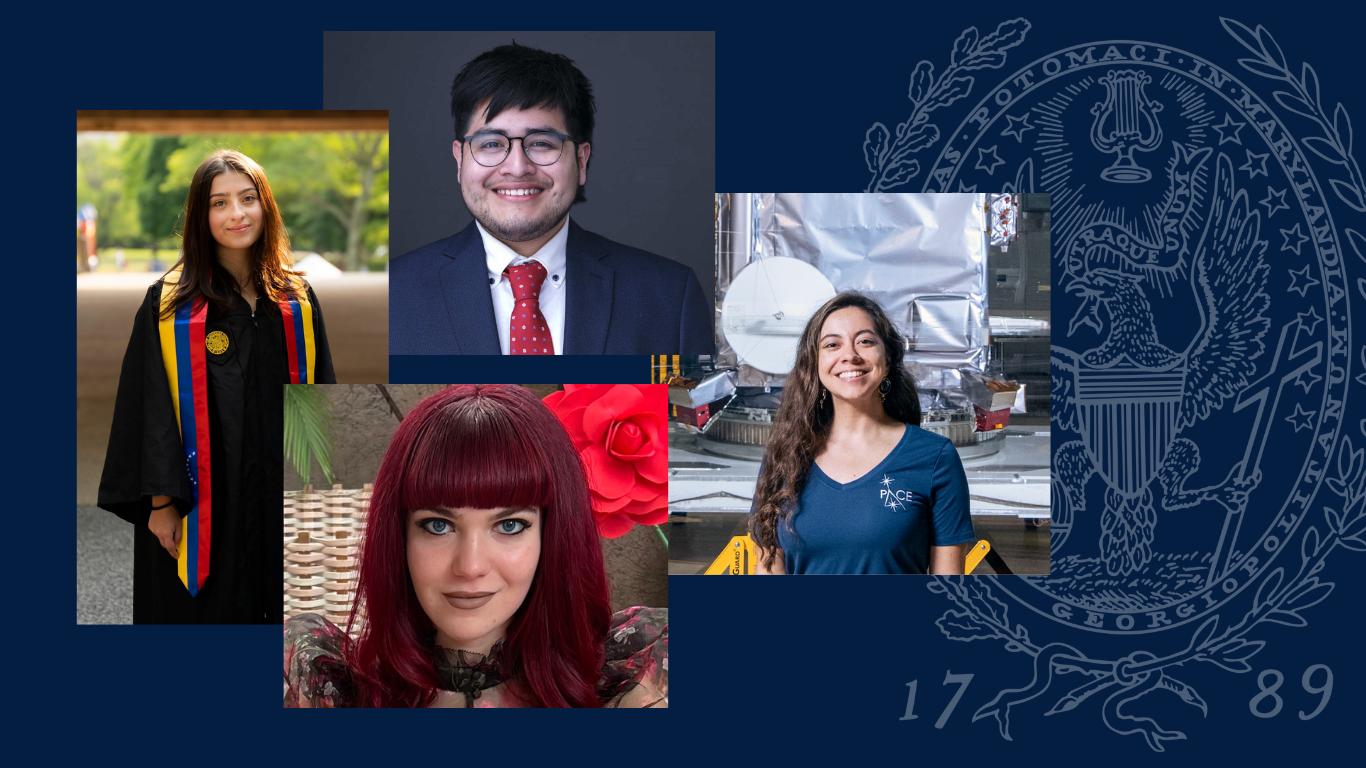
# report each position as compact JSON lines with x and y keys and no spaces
{"x":1260,"y":167}
{"x":983,"y":155}
{"x":1017,"y":126}
{"x":1299,"y":237}
{"x":1232,"y":128}
{"x":1304,"y":283}
{"x":1301,"y":418}
{"x":1309,"y":382}
{"x":1278,"y":198}
{"x":1305,"y":317}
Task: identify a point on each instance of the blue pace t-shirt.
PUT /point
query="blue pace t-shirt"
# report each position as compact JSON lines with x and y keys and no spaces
{"x":887,"y":520}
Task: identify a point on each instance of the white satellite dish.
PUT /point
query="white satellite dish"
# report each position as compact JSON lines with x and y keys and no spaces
{"x":766,"y":310}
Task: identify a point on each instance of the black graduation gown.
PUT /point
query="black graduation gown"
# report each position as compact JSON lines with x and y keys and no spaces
{"x":246,"y":436}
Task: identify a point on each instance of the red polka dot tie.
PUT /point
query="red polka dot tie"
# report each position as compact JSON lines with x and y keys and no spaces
{"x":530,"y":335}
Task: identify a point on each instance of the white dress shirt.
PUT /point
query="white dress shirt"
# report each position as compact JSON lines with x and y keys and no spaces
{"x":551,"y":256}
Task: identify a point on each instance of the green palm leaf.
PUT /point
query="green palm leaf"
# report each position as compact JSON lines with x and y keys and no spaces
{"x":308,"y":430}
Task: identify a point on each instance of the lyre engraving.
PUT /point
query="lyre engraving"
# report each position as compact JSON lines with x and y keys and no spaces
{"x":1126,"y":121}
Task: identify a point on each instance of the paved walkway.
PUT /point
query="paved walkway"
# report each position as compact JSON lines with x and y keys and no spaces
{"x":104,"y":568}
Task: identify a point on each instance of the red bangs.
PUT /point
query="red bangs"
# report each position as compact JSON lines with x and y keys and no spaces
{"x":472,"y":453}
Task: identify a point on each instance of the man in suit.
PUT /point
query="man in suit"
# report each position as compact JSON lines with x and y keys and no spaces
{"x":522,"y":278}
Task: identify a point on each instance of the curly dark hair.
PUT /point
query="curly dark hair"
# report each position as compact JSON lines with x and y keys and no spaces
{"x":802,"y":424}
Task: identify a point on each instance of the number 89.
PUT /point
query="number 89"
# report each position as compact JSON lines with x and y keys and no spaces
{"x":1326,"y":689}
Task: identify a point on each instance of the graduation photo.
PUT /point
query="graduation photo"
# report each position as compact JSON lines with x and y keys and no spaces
{"x":200,"y":292}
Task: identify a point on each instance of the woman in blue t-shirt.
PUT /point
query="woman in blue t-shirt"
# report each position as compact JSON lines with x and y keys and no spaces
{"x":850,"y":482}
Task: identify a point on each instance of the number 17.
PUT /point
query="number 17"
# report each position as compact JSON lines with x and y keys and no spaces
{"x":949,"y":678}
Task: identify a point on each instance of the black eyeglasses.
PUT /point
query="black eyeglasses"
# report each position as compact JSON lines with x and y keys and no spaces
{"x":541,"y":147}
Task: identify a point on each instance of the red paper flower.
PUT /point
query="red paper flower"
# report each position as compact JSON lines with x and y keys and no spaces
{"x":620,"y":433}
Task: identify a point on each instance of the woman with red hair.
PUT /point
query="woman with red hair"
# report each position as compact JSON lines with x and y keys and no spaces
{"x":481,"y":576}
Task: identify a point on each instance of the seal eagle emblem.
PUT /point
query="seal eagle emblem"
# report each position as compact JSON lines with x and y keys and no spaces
{"x":1207,"y":337}
{"x":1173,"y":369}
{"x":1131,"y":396}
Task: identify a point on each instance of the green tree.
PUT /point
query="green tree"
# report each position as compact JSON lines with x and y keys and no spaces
{"x":343,"y":176}
{"x":332,"y":188}
{"x":145,"y":159}
{"x":368,"y":156}
{"x":100,"y":181}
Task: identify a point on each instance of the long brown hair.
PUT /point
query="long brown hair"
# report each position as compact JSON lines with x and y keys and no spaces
{"x":802,"y":424}
{"x":201,"y":274}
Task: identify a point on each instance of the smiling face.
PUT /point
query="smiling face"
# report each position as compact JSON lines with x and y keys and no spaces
{"x":471,"y":570}
{"x":853,"y":360}
{"x":518,"y":201}
{"x":235,"y":212}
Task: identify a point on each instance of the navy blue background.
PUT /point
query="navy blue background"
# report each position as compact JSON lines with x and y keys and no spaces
{"x":811,"y":670}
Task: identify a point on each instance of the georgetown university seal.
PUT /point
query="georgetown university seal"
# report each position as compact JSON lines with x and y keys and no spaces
{"x":1202,"y":473}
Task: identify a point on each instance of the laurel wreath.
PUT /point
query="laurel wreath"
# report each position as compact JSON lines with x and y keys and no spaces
{"x":1335,"y":145}
{"x":891,"y":161}
{"x":981,"y":615}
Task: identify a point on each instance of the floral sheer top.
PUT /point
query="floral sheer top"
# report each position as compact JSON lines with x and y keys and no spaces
{"x":634,"y":674}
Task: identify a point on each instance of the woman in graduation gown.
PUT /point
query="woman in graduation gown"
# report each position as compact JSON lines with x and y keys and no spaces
{"x":195,"y":451}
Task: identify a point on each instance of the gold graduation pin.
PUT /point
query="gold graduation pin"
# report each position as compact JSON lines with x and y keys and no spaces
{"x":216,"y":343}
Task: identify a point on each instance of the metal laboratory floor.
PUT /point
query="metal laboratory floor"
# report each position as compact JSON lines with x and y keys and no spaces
{"x":709,"y":498}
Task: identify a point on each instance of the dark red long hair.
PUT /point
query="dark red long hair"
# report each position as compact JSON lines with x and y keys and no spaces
{"x":201,"y":274}
{"x":484,"y":446}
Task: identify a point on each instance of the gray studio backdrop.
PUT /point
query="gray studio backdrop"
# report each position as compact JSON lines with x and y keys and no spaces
{"x":651,"y":179}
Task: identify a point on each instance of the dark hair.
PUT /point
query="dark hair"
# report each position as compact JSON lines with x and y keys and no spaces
{"x":802,"y":424}
{"x":484,"y":446}
{"x":201,"y":274}
{"x":521,"y":77}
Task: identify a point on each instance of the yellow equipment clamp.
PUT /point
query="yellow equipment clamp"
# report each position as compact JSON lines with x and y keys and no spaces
{"x":741,"y":554}
{"x":737,"y":559}
{"x":975,"y":555}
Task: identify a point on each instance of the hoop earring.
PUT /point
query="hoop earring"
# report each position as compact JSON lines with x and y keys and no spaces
{"x":823,"y":391}
{"x":884,"y":388}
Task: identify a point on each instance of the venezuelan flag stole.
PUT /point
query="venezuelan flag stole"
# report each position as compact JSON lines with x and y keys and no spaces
{"x":299,"y":346}
{"x":182,"y":352}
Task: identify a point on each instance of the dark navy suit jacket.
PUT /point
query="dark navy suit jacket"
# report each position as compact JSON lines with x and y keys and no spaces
{"x":620,"y":301}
